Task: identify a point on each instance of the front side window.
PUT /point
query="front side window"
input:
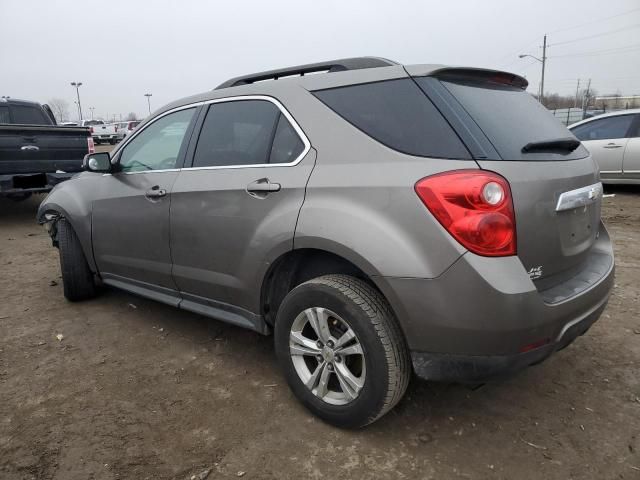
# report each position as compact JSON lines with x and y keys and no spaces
{"x":237,"y":133}
{"x":604,"y":128}
{"x":158,"y":146}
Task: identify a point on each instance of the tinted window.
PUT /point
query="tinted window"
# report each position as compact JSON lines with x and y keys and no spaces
{"x":93,"y":122}
{"x":287,"y":144}
{"x":4,"y":114}
{"x":397,"y":114}
{"x":604,"y":128}
{"x":27,"y":115}
{"x":157,"y":147}
{"x":510,"y":118}
{"x":236,"y":133}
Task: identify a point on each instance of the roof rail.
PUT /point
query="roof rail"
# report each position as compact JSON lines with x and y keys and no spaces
{"x":355,"y":63}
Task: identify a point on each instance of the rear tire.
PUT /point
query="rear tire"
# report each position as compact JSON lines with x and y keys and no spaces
{"x":359,"y":387}
{"x":77,"y":278}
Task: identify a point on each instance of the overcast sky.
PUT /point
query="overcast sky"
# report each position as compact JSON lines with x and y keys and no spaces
{"x":121,"y":50}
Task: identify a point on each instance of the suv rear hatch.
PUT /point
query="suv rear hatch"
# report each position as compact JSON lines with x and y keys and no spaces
{"x":509,"y":132}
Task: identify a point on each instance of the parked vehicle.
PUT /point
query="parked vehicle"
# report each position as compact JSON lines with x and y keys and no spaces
{"x":125,"y":128}
{"x":614,"y":142}
{"x":101,"y":131}
{"x":35,"y":154}
{"x":379,"y":219}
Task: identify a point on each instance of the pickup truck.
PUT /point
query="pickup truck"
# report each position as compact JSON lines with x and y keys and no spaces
{"x":100,"y":131}
{"x":35,"y":153}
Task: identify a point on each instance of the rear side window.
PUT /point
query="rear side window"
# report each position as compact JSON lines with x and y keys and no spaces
{"x":4,"y":114}
{"x":510,"y":118}
{"x":604,"y":128}
{"x":237,"y":133}
{"x":397,"y":114}
{"x":26,"y":115}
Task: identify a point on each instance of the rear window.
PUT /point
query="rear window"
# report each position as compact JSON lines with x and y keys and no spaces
{"x":510,"y":118}
{"x":397,"y":114}
{"x":4,"y":114}
{"x":27,"y":115}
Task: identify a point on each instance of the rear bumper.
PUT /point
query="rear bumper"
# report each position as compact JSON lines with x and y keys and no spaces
{"x":20,"y":183}
{"x":475,"y":321}
{"x":479,"y":368}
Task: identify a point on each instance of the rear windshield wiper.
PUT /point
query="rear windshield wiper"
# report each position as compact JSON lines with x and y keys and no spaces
{"x":559,"y":144}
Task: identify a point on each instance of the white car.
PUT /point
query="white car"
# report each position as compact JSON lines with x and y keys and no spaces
{"x":125,"y":128}
{"x":100,"y":131}
{"x":614,"y":142}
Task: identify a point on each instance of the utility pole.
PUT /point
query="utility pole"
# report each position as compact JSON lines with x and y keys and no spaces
{"x":544,"y":62}
{"x":575,"y":104}
{"x":92,"y":109}
{"x":585,"y":100}
{"x":148,"y":95}
{"x":78,"y":85}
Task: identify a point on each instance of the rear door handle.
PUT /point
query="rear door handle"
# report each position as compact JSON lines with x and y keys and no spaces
{"x":155,"y":192}
{"x":262,"y":187}
{"x":612,"y":145}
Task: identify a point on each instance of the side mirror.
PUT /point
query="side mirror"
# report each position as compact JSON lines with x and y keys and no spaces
{"x":97,"y":162}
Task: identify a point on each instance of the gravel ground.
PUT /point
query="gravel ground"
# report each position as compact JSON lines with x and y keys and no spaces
{"x":121,"y":387}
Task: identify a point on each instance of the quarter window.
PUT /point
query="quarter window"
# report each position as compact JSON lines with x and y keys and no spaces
{"x":287,"y":145}
{"x":158,"y":146}
{"x":397,"y":114}
{"x":604,"y":128}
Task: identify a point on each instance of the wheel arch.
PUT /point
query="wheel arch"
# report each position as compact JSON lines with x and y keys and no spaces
{"x":300,"y":265}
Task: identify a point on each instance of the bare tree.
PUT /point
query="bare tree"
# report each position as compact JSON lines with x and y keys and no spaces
{"x":60,"y":109}
{"x":131,"y":116}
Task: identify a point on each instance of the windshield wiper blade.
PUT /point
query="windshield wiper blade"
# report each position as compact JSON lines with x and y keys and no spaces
{"x":559,"y":144}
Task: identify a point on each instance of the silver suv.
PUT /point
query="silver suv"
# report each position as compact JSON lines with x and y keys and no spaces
{"x":379,"y":219}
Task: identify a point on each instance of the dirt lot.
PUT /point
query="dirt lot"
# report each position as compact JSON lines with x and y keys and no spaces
{"x":140,"y":390}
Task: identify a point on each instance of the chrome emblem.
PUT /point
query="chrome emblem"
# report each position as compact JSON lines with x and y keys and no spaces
{"x":581,"y":197}
{"x":535,"y":272}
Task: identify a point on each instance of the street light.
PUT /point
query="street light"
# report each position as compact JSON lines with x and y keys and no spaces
{"x":78,"y":85}
{"x":543,"y":61}
{"x":92,"y":109}
{"x":148,"y":95}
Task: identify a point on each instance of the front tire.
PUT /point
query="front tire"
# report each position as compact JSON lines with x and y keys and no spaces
{"x":341,"y":350}
{"x":77,"y":278}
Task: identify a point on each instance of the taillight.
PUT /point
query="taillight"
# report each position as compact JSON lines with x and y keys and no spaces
{"x":131,"y":126}
{"x":475,"y":207}
{"x":91,"y":129}
{"x":91,"y":145}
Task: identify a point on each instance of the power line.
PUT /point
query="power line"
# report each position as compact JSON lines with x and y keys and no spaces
{"x":611,"y":32}
{"x":609,"y":51}
{"x":599,"y":20}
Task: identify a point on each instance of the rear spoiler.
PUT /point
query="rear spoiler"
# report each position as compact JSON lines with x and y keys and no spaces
{"x":467,"y":73}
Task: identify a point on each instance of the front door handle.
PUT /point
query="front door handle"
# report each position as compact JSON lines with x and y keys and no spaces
{"x":262,"y":187}
{"x":612,"y":145}
{"x":155,"y":192}
{"x":33,"y":148}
